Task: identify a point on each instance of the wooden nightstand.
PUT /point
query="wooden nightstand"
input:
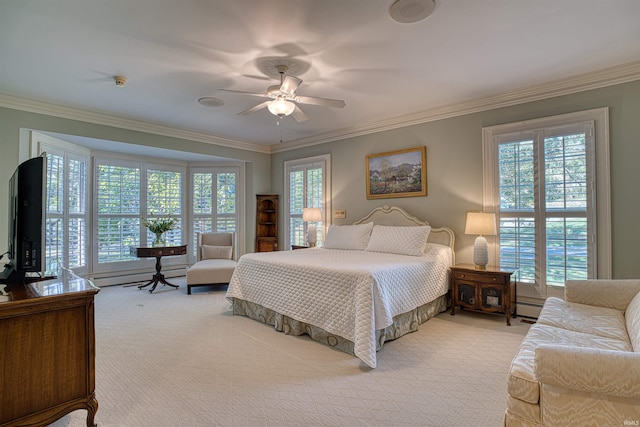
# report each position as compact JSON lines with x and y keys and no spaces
{"x":489,"y":291}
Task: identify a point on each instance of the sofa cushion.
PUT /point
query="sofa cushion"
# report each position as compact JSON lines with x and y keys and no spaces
{"x":520,"y":410}
{"x":522,"y":382}
{"x":632,"y":318}
{"x":604,"y":322}
{"x":210,"y":271}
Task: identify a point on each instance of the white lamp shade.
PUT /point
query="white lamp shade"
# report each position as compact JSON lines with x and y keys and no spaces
{"x":281,"y":107}
{"x":480,"y":223}
{"x":311,"y":214}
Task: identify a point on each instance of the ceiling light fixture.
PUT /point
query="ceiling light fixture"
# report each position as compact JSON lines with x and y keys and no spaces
{"x":209,"y":101}
{"x":120,"y":80}
{"x":410,"y":11}
{"x":281,"y":107}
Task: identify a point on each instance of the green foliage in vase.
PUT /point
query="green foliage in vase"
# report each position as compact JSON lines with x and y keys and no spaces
{"x":161,"y":224}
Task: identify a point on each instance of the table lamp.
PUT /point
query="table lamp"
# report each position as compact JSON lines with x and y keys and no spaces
{"x":482,"y":224}
{"x":311,"y":215}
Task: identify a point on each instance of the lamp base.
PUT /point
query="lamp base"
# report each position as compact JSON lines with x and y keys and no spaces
{"x":481,"y":253}
{"x":311,"y":235}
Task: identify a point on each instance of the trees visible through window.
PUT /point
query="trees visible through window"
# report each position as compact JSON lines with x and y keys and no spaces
{"x":118,"y":201}
{"x":125,"y":192}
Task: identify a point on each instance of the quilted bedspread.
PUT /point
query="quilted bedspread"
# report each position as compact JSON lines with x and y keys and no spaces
{"x":345,"y":292}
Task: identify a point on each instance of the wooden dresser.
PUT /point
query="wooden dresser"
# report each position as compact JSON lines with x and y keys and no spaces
{"x":47,"y":351}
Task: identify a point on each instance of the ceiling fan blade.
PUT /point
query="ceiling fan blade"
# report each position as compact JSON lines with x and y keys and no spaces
{"x":290,"y":84}
{"x":299,"y":115}
{"x":262,"y":95}
{"x":254,"y":109}
{"x":324,"y":102}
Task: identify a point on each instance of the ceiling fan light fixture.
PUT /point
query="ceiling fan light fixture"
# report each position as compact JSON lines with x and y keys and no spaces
{"x":281,"y":107}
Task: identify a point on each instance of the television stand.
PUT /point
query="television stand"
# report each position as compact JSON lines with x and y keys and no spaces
{"x":43,"y":322}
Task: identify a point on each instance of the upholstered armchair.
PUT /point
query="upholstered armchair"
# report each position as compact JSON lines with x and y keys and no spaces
{"x":215,"y":260}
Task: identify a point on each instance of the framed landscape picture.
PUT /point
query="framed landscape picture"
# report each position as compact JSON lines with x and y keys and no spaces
{"x":401,"y":173}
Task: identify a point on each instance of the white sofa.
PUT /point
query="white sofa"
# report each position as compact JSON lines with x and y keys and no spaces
{"x":579,"y":365}
{"x":215,"y":260}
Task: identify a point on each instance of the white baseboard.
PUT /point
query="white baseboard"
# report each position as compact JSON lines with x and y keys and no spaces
{"x":137,"y":277}
{"x":529,"y":310}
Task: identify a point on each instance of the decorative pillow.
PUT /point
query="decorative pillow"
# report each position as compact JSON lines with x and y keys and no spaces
{"x":353,"y":237}
{"x":399,"y":240}
{"x":216,"y":252}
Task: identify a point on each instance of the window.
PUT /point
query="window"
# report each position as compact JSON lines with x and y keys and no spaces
{"x":164,"y":197}
{"x":118,"y":212}
{"x":124,"y":192}
{"x":214,"y":200}
{"x":540,"y":180}
{"x":306,"y":186}
{"x":67,"y":216}
{"x":66,"y":212}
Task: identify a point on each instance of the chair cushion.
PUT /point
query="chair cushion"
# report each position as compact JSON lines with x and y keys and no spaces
{"x":216,"y":252}
{"x":210,"y":271}
{"x":522,"y":382}
{"x":601,"y":321}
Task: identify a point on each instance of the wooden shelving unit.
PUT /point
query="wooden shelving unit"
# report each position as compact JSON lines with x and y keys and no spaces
{"x":267,"y":222}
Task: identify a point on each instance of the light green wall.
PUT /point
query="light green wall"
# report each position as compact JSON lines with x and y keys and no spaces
{"x":454,"y":167}
{"x":454,"y":164}
{"x":257,"y":165}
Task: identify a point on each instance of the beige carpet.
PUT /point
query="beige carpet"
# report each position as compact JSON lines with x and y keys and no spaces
{"x":172,"y":359}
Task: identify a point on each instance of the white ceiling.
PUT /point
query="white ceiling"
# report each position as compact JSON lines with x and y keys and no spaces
{"x":66,"y":52}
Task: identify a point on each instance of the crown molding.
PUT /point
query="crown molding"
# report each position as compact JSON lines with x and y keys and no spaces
{"x":41,"y":107}
{"x":602,"y":78}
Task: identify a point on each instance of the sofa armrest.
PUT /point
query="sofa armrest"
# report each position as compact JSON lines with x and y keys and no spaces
{"x":591,"y":370}
{"x":614,"y":293}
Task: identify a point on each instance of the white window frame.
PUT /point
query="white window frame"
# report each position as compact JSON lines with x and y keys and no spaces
{"x":326,"y":191}
{"x":41,"y":143}
{"x":239,"y":234}
{"x":136,"y":264}
{"x":600,"y":119}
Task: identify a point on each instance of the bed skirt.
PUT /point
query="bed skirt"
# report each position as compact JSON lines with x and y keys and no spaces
{"x":402,"y":323}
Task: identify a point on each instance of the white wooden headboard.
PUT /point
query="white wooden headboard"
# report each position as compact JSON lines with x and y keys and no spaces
{"x":393,"y":215}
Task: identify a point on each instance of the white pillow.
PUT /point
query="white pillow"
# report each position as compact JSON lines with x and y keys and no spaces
{"x":216,"y":252}
{"x":399,"y":240}
{"x":353,"y":237}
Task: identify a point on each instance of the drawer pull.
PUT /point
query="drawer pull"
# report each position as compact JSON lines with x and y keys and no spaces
{"x":494,"y":279}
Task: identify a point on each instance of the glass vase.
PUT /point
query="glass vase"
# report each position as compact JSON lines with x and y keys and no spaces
{"x":159,"y":240}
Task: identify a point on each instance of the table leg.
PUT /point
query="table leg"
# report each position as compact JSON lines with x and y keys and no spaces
{"x":157,"y":278}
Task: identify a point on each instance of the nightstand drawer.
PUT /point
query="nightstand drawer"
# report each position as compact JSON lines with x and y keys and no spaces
{"x":481,"y":277}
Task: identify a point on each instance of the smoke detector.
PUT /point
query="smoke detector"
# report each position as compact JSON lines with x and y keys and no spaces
{"x":120,"y":80}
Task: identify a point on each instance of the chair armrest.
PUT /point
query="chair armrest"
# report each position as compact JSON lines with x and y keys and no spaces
{"x":591,"y":370}
{"x":615,"y":293}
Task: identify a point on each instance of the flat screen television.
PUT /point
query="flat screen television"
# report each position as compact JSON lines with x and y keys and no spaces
{"x":27,"y":191}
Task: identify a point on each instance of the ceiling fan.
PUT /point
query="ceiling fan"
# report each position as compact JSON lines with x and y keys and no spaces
{"x":283,"y":98}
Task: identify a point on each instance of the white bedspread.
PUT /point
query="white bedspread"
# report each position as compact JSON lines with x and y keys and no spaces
{"x":347,"y":293}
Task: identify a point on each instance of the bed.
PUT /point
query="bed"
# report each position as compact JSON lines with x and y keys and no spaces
{"x":371,"y":282}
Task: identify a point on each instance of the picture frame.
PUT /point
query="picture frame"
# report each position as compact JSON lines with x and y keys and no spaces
{"x":401,"y":173}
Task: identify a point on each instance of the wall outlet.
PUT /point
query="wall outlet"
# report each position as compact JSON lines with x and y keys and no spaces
{"x":339,"y":213}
